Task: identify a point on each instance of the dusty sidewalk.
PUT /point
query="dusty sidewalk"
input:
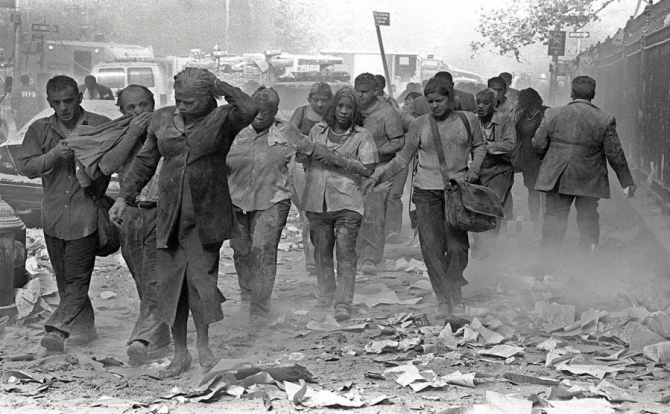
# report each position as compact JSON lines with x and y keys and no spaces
{"x":509,"y":293}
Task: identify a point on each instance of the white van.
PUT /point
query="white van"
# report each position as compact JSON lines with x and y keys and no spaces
{"x":118,"y":75}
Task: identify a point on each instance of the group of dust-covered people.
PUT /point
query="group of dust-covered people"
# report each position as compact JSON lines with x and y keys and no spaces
{"x":197,"y":173}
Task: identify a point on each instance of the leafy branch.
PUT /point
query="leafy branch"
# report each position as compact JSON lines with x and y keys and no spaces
{"x":524,"y":22}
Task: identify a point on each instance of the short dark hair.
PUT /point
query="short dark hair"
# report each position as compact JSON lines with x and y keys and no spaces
{"x":444,"y":75}
{"x":505,"y":76}
{"x":61,"y":82}
{"x":25,"y":79}
{"x":359,"y":116}
{"x":583,"y":87}
{"x":119,"y":95}
{"x":496,"y":80}
{"x":412,"y":95}
{"x":439,"y":86}
{"x":381,"y":81}
{"x":366,"y":79}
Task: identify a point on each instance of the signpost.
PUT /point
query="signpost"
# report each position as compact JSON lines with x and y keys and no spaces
{"x":383,"y":19}
{"x":579,"y":35}
{"x":556,"y":48}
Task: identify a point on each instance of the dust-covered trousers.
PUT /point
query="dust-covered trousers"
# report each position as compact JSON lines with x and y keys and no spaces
{"x":255,"y":253}
{"x":372,"y":236}
{"x":335,"y":230}
{"x":393,"y":222}
{"x":444,"y":248}
{"x":556,"y":219}
{"x":73,"y":262}
{"x":138,"y":247}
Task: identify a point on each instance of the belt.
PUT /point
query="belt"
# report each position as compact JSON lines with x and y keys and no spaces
{"x":143,"y":205}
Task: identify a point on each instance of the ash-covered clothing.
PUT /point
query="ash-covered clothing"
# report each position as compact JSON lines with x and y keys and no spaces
{"x":385,"y":125}
{"x":72,"y":261}
{"x":189,"y":265}
{"x":456,"y":147}
{"x":258,"y":165}
{"x":577,"y":141}
{"x":138,"y":247}
{"x":372,"y":234}
{"x":197,"y":155}
{"x":443,"y":247}
{"x":506,"y":107}
{"x":336,"y":230}
{"x":255,"y":253}
{"x":391,"y":101}
{"x":556,"y":215}
{"x":329,"y":189}
{"x":68,"y":212}
{"x":300,"y":120}
{"x":195,"y":212}
{"x":500,"y":138}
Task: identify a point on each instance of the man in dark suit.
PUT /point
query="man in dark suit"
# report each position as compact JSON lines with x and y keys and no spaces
{"x":574,"y":141}
{"x":91,"y":89}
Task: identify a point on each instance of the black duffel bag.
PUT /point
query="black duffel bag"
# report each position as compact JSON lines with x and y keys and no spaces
{"x":468,"y":207}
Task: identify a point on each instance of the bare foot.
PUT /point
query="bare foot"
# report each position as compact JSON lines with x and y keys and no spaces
{"x":206,"y":357}
{"x":180,"y":363}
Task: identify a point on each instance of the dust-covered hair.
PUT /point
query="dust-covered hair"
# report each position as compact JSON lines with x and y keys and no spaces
{"x":489,"y":94}
{"x":439,"y":86}
{"x":197,"y":80}
{"x":366,"y":79}
{"x":358,"y":116}
{"x":264,"y":94}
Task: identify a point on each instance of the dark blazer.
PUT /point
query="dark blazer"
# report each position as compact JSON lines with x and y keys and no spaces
{"x":467,"y":101}
{"x":105,"y":92}
{"x":576,"y":141}
{"x":198,"y":156}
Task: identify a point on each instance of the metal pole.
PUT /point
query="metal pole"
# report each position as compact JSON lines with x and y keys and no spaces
{"x":17,"y":46}
{"x":386,"y":67}
{"x":227,"y":26}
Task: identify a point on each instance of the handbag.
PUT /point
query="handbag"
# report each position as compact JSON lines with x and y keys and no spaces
{"x":109,"y":236}
{"x":468,"y":207}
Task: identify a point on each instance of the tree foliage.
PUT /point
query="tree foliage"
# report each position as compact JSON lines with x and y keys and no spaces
{"x":524,"y":22}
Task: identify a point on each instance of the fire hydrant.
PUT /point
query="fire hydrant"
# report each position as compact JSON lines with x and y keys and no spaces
{"x":10,"y":224}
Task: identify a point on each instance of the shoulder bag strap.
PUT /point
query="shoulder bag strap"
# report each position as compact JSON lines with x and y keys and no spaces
{"x":467,"y":127}
{"x":440,"y":151}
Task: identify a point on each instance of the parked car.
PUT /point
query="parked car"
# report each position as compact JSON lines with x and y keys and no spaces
{"x":25,"y":194}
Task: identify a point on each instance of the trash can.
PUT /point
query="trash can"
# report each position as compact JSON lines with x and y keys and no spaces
{"x":10,"y":225}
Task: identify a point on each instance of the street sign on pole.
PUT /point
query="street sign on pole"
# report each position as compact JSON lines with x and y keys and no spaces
{"x":15,"y":17}
{"x":557,"y":43}
{"x":38,"y":36}
{"x":382,"y":18}
{"x":579,"y":35}
{"x":37,"y":27}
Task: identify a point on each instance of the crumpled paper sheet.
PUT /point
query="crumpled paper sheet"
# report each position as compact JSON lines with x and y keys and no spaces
{"x":378,"y":293}
{"x":302,"y":394}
